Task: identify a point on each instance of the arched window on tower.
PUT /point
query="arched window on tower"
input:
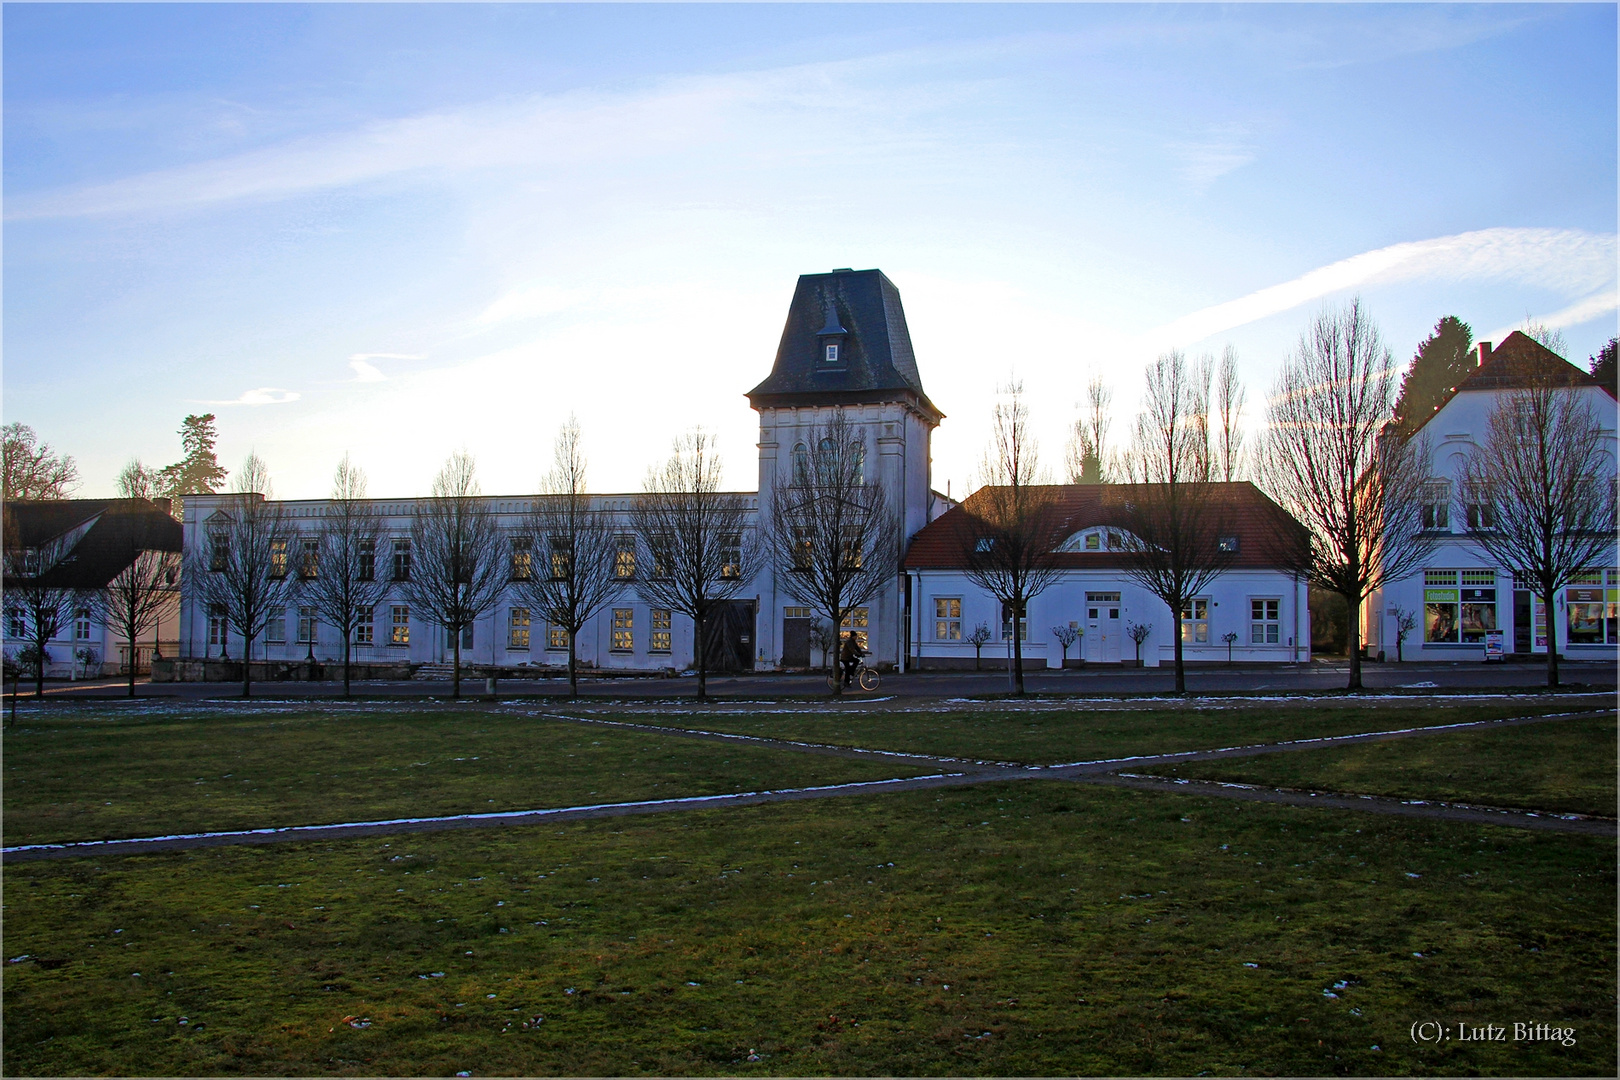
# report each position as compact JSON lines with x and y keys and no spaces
{"x":801,"y":465}
{"x":827,"y":463}
{"x":857,"y":463}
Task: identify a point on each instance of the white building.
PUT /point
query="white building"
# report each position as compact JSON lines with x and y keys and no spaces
{"x":845,"y":348}
{"x":1461,"y":595}
{"x":1252,"y":612}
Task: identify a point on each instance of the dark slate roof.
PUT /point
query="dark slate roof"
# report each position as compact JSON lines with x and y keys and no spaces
{"x":1260,"y":525}
{"x":875,"y":358}
{"x":102,"y":536}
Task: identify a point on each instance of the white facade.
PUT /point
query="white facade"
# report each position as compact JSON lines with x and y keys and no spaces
{"x":1461,"y":594}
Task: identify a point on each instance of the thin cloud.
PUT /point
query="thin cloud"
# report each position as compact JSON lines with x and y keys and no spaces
{"x":366,"y":372}
{"x":1593,"y":307}
{"x":1569,"y":261}
{"x":264,"y":395}
{"x":386,"y":356}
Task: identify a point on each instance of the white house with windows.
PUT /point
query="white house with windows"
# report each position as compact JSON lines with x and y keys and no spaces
{"x":1461,"y":597}
{"x":1253,"y":612}
{"x":844,"y":349}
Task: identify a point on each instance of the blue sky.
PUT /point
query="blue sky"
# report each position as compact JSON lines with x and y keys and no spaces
{"x":399,"y":231}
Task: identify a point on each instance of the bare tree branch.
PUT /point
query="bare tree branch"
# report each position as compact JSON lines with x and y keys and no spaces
{"x":1172,"y":510}
{"x":1329,"y":460}
{"x":1538,"y":492}
{"x":32,"y":470}
{"x":569,"y":563}
{"x":138,"y":597}
{"x":832,"y":539}
{"x":242,"y":569}
{"x":1086,"y":456}
{"x":1015,"y":524}
{"x":695,"y":546}
{"x":345,"y":584}
{"x":460,"y":557}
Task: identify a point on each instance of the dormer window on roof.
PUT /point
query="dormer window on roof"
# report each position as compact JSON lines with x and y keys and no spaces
{"x":832,"y":352}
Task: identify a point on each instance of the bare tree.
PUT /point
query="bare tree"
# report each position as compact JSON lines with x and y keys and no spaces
{"x":1538,"y":492}
{"x":1086,"y":456}
{"x":343,"y":585}
{"x":460,"y":556}
{"x":1014,"y":522}
{"x":693,"y":540}
{"x":243,"y":567}
{"x":833,"y":541}
{"x":136,"y":481}
{"x":1547,"y":337}
{"x":1230,"y":398}
{"x":140,"y":594}
{"x":1174,"y":515}
{"x":583,"y":564}
{"x":44,"y":607}
{"x":32,"y":470}
{"x":1328,"y":460}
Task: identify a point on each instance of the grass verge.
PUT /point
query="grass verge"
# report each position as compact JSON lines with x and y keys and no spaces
{"x":1057,"y":736}
{"x":1025,"y":928}
{"x":84,"y":776}
{"x":1562,"y":765}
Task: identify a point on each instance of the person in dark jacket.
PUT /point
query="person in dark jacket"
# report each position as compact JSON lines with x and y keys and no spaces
{"x":851,"y":656}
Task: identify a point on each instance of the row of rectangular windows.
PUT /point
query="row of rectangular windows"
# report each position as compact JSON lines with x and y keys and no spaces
{"x":522,"y":559}
{"x":1264,"y":627}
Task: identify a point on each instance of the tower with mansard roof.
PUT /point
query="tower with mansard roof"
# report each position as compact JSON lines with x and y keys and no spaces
{"x":846,"y":348}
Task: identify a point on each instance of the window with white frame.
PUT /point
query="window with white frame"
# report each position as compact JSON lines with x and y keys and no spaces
{"x":81,"y":625}
{"x":16,"y":624}
{"x":624,"y":557}
{"x":1437,"y":507}
{"x":556,"y":636}
{"x":402,"y":560}
{"x":517,"y":628}
{"x":659,"y":618}
{"x":278,"y":557}
{"x":466,"y":637}
{"x":856,"y":621}
{"x":1265,"y":624}
{"x":522,"y":557}
{"x":365,"y":626}
{"x":399,"y":618}
{"x":218,"y":625}
{"x":1006,"y":623}
{"x":1195,"y":622}
{"x":306,"y":626}
{"x":947,"y":618}
{"x":731,"y":556}
{"x":624,"y":629}
{"x":219,"y":550}
{"x":275,"y":630}
{"x":1477,"y":510}
{"x":1459,"y":606}
{"x":832,"y":354}
{"x":368,"y":559}
{"x":309,"y":557}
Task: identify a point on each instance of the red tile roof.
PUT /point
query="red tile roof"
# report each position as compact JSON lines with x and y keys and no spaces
{"x":1259,"y":524}
{"x":1517,"y":363}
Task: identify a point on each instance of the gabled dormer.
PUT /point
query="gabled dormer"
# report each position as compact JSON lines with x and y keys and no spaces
{"x":831,"y":337}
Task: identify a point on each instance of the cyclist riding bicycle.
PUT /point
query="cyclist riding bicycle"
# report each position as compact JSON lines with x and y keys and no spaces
{"x":851,"y":657}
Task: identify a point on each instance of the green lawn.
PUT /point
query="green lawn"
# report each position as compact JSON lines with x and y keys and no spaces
{"x":83,"y":776}
{"x":1025,"y":928}
{"x":1563,"y":765}
{"x":1050,"y":736}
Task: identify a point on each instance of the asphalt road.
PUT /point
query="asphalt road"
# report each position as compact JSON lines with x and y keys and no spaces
{"x":1271,"y":679}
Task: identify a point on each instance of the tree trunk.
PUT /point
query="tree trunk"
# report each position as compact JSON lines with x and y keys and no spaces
{"x":346,"y":635}
{"x":1018,"y":652}
{"x":573,"y":668}
{"x":133,"y":653}
{"x":247,"y":667}
{"x":1552,"y":645}
{"x":1181,"y":668}
{"x":838,"y":667}
{"x":1353,"y":634}
{"x":39,"y":671}
{"x":702,"y":657}
{"x":455,"y":666}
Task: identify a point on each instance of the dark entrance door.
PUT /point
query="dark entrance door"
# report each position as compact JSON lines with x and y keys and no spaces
{"x":729,"y":631}
{"x":795,"y":642}
{"x":1521,"y":621}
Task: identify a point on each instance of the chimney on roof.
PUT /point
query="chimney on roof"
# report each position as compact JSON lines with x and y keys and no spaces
{"x":1484,"y":352}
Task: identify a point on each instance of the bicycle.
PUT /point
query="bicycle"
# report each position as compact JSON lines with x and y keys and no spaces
{"x":865,"y":677}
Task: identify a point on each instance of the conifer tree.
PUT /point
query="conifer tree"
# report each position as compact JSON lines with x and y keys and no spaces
{"x":1442,"y":361}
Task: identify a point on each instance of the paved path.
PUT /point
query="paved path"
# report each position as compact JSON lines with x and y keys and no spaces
{"x":1315,"y":677}
{"x":953,"y":772}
